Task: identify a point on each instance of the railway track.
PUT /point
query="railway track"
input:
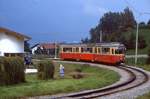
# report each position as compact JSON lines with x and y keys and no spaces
{"x":137,"y":78}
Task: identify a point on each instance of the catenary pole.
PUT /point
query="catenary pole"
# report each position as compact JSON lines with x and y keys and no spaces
{"x":136,"y":46}
{"x":100,"y":36}
{"x":55,"y":51}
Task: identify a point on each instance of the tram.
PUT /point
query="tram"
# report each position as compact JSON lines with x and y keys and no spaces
{"x":110,"y":53}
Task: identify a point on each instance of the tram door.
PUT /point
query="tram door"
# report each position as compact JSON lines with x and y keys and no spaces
{"x":98,"y":50}
{"x":112,"y":51}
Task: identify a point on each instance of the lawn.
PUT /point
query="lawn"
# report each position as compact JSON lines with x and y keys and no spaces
{"x":94,"y":77}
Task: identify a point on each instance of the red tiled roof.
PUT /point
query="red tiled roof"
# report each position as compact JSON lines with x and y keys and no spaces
{"x":48,"y":45}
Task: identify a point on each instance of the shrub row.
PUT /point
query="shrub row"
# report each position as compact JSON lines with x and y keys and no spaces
{"x":46,"y":70}
{"x":11,"y":70}
{"x":148,"y":59}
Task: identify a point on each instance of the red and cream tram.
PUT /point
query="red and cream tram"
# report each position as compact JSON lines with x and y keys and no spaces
{"x":111,"y":53}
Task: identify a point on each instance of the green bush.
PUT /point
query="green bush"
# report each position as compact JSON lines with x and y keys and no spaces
{"x":1,"y":72}
{"x":77,"y":75}
{"x":46,"y":70}
{"x":11,"y":70}
{"x":41,"y":56}
{"x":148,"y":59}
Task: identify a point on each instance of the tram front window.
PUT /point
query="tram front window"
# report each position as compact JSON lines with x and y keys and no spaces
{"x":119,"y":51}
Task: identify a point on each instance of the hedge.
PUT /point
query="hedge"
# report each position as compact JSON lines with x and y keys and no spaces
{"x":11,"y":70}
{"x":46,"y":70}
{"x":148,"y":59}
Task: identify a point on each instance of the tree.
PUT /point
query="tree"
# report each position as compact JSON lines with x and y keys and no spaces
{"x":131,"y":41}
{"x":129,"y":20}
{"x":142,"y":43}
{"x":95,"y":35}
{"x":86,"y":40}
{"x":123,"y":40}
{"x":112,"y":24}
{"x":142,"y":25}
{"x":148,"y":23}
{"x":27,"y":46}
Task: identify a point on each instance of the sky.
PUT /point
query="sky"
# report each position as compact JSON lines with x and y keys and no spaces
{"x":62,"y":20}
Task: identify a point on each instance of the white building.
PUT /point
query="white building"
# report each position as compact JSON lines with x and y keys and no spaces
{"x":46,"y":48}
{"x":34,"y":48}
{"x":11,"y":43}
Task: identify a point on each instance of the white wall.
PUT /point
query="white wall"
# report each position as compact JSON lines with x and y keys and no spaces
{"x":34,"y":49}
{"x":10,"y":44}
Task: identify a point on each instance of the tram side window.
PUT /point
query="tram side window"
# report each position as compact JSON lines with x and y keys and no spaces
{"x":82,"y":49}
{"x":99,"y":50}
{"x":86,"y":50}
{"x":67,"y":49}
{"x":95,"y":49}
{"x":77,"y":49}
{"x":89,"y":50}
{"x":73,"y":49}
{"x":106,"y":50}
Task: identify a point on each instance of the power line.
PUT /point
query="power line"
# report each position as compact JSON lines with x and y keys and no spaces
{"x":146,"y":13}
{"x":130,"y":6}
{"x":137,"y":11}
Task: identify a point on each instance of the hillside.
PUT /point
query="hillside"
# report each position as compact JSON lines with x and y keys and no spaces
{"x":146,"y":34}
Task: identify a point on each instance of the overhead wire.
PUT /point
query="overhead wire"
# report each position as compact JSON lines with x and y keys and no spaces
{"x":137,"y":11}
{"x":130,"y":6}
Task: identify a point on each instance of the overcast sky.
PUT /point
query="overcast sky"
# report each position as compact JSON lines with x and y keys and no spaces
{"x":62,"y":20}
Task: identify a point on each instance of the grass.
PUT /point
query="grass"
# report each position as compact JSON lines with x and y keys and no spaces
{"x":146,"y":34}
{"x":95,"y":78}
{"x":142,"y":64}
{"x":146,"y":96}
{"x":140,"y":51}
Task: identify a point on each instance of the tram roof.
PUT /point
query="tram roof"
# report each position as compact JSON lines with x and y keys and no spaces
{"x":104,"y":44}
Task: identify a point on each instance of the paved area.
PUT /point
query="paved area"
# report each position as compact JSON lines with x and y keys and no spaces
{"x":27,"y":71}
{"x":132,"y":93}
{"x":139,"y":56}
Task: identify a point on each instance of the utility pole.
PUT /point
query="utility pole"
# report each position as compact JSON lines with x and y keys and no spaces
{"x":55,"y":50}
{"x":100,"y":36}
{"x":137,"y":36}
{"x":136,"y":46}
